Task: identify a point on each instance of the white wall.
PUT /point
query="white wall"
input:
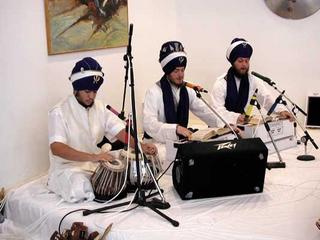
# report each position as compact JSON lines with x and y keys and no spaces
{"x":285,"y":50}
{"x":32,"y":81}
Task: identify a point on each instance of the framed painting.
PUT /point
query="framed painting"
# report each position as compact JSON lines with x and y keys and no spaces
{"x":81,"y":25}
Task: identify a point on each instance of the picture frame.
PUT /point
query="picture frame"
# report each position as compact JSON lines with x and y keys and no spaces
{"x":82,"y":25}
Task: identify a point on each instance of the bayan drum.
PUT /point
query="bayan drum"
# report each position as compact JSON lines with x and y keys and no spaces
{"x":108,"y":179}
{"x":145,"y":176}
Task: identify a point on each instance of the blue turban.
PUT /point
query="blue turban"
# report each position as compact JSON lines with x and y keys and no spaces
{"x":239,"y":48}
{"x":172,"y":55}
{"x":86,"y":75}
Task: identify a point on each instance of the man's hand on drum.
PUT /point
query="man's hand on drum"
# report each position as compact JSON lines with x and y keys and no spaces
{"x":102,"y":157}
{"x":149,"y":148}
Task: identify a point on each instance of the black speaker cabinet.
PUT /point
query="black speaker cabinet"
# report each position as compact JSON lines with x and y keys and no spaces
{"x":219,"y":168}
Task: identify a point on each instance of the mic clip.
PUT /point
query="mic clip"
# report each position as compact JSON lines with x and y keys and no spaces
{"x":278,"y":100}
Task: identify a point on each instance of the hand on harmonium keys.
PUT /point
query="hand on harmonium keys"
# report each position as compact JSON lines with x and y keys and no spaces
{"x":242,"y":119}
{"x":256,"y":120}
{"x":235,"y":129}
{"x":184,"y":132}
{"x":213,"y":133}
{"x":286,"y":115}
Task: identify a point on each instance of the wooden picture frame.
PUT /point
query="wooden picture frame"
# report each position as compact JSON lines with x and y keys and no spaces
{"x":81,"y":25}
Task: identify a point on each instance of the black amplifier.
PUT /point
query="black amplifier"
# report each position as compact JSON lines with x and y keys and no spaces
{"x":219,"y":168}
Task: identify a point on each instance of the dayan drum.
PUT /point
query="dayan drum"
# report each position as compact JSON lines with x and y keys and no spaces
{"x":145,"y":176}
{"x":108,"y":179}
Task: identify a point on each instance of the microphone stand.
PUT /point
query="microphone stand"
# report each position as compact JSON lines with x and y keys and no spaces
{"x":280,"y":100}
{"x":198,"y":94}
{"x":307,"y":137}
{"x":140,"y":197}
{"x":125,"y":58}
{"x":270,"y":165}
{"x":293,"y":110}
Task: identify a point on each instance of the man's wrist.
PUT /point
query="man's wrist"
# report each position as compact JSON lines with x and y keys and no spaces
{"x":93,"y":157}
{"x":177,"y":129}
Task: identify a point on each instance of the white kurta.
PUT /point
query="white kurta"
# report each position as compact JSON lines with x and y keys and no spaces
{"x":154,"y":121}
{"x":82,"y":129}
{"x":219,"y":93}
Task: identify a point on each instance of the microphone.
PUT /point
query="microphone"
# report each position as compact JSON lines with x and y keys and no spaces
{"x":272,"y":107}
{"x":266,"y":79}
{"x":195,"y":87}
{"x":113,"y":110}
{"x":130,"y":29}
{"x":129,"y":48}
{"x":248,"y":112}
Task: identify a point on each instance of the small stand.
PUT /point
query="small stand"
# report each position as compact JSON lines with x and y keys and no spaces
{"x":305,"y":156}
{"x":140,"y":197}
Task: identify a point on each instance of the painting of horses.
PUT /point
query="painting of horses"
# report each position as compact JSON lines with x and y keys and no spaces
{"x":81,"y":25}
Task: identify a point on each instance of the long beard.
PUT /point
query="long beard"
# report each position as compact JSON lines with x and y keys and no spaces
{"x":239,"y":74}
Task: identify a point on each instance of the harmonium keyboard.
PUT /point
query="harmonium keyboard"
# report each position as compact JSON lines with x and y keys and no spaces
{"x":282,"y":131}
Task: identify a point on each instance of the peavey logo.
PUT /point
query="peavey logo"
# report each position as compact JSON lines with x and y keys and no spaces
{"x":227,"y":145}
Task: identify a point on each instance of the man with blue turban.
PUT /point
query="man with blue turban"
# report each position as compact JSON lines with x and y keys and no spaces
{"x":77,"y":125}
{"x":168,"y":102}
{"x":232,"y":92}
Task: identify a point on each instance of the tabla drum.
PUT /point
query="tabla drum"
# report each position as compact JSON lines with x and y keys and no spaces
{"x":145,"y":176}
{"x":108,"y":179}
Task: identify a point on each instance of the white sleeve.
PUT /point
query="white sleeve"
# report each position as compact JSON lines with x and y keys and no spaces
{"x":113,"y":125}
{"x":57,"y":127}
{"x":218,"y":99}
{"x":198,"y":108}
{"x":153,"y":117}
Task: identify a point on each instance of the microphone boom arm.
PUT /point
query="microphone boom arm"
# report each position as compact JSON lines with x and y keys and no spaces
{"x":273,"y":84}
{"x":198,"y":94}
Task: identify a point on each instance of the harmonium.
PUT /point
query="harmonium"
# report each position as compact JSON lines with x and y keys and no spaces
{"x":281,"y":130}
